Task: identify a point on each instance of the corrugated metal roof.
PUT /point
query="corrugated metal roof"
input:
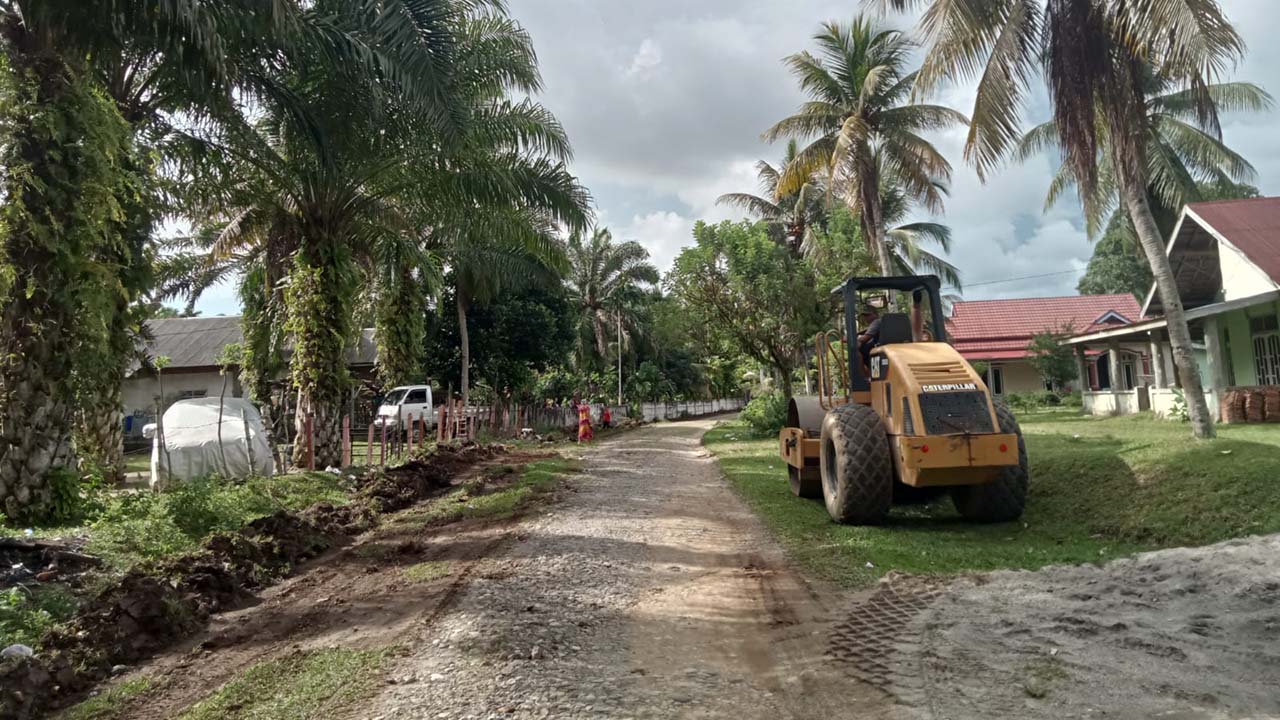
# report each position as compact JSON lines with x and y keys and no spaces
{"x":1252,"y":225}
{"x":192,"y":343}
{"x":1003,"y":328}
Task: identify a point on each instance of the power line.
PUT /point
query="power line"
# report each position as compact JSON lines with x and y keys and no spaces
{"x":1024,"y":277}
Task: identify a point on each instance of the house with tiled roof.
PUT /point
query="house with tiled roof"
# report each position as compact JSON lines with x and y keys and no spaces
{"x":1226,"y":263}
{"x":996,"y":333}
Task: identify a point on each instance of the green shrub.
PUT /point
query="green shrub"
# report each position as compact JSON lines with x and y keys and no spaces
{"x":766,"y":414}
{"x":25,"y":614}
{"x":1072,"y":399}
{"x":147,"y":525}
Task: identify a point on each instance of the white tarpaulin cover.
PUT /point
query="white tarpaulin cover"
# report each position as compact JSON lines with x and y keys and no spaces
{"x":190,"y":432}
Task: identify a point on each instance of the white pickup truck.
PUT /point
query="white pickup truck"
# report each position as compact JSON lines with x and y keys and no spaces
{"x":403,"y":401}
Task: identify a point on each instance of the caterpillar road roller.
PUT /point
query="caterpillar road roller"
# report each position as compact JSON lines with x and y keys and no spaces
{"x":900,"y":415}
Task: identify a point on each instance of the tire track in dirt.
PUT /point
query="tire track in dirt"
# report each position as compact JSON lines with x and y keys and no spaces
{"x":355,"y":597}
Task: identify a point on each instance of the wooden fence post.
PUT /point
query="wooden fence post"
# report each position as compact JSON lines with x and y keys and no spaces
{"x":368,"y":447}
{"x":382,"y":445}
{"x":409,"y":428}
{"x":346,"y":441}
{"x":311,"y":441}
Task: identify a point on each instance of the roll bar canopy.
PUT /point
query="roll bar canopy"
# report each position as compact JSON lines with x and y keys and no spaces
{"x":917,"y":285}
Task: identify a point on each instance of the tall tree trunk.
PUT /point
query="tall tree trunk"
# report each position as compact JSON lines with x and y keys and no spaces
{"x":59,"y":175}
{"x":602,"y":337}
{"x":319,"y":320}
{"x":873,"y":222}
{"x":785,"y":382}
{"x":464,"y":339}
{"x":99,"y":429}
{"x":1144,"y":224}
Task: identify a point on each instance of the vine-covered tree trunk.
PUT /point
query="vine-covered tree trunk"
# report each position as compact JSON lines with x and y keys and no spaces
{"x":319,"y":299}
{"x":99,"y":430}
{"x":61,"y":178}
{"x":262,"y":325}
{"x":401,"y":331}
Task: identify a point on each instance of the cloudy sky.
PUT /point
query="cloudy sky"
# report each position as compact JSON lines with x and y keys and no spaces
{"x":665,"y":100}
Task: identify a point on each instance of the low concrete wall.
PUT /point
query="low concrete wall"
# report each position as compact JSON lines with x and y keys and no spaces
{"x":1106,"y":402}
{"x":688,"y":408}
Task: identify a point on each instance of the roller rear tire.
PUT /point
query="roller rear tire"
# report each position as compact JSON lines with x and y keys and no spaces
{"x":856,"y":466}
{"x":1002,"y":499}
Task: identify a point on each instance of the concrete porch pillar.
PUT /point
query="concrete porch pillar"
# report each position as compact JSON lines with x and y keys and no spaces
{"x":1217,"y":363}
{"x":1113,"y":367}
{"x":1082,"y":369}
{"x":1157,"y":361}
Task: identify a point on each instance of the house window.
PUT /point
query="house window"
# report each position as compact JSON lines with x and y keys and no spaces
{"x":192,"y":394}
{"x":1266,"y":348}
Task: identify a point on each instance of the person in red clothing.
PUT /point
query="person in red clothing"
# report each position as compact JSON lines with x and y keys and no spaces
{"x":606,"y":418}
{"x":584,"y":423}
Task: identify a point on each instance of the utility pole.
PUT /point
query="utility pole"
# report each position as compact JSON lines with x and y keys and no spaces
{"x":619,"y":316}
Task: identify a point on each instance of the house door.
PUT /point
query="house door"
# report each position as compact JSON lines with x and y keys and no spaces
{"x":995,"y":380}
{"x":1130,"y":374}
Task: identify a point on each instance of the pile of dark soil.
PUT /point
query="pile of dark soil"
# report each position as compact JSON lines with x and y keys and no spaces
{"x":150,"y":609}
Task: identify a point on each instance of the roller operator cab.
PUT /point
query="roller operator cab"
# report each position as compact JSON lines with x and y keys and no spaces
{"x":903,"y":417}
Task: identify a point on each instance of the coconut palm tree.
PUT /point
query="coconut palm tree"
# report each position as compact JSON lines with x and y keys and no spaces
{"x":863,"y":126}
{"x":606,"y":282}
{"x":791,"y":218}
{"x":1185,"y":151}
{"x":1096,"y":57}
{"x":905,"y":241}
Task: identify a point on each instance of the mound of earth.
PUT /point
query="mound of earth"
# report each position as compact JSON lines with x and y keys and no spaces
{"x":150,"y":609}
{"x":1183,"y":633}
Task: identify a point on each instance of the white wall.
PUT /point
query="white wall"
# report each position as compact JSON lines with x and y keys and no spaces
{"x":1240,"y":278}
{"x":1020,"y":376}
{"x":140,"y":393}
{"x":1105,"y":402}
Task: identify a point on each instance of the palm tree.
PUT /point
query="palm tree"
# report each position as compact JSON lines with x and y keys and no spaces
{"x":904,"y":242}
{"x":606,"y":282}
{"x":1096,"y":57}
{"x":1184,"y":149}
{"x":507,"y":251}
{"x":791,"y":218}
{"x":68,"y":167}
{"x":864,"y":131}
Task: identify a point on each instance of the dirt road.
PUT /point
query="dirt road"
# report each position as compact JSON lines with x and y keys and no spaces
{"x":650,"y":591}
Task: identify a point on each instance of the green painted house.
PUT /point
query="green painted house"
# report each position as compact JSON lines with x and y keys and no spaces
{"x":1226,"y":258}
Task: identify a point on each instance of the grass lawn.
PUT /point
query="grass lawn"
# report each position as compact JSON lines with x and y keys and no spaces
{"x":1100,"y":488}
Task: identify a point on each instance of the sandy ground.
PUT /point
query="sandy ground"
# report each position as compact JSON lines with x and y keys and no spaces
{"x":1184,"y":633}
{"x":648,"y":590}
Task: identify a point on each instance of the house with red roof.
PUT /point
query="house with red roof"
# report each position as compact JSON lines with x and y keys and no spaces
{"x":996,"y":333}
{"x":1226,"y":263}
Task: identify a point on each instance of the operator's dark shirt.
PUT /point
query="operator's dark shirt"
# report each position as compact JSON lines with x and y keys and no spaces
{"x":873,"y":332}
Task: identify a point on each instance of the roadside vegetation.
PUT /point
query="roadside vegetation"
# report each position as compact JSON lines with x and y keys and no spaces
{"x":303,"y":685}
{"x":1101,"y":488}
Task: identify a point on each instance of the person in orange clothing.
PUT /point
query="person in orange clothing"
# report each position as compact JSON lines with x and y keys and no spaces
{"x":584,"y":422}
{"x":606,"y":418}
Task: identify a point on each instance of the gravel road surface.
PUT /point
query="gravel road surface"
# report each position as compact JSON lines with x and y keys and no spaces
{"x":650,"y":591}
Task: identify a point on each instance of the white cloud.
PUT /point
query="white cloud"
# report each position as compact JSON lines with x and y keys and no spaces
{"x":649,"y":56}
{"x":662,"y":233}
